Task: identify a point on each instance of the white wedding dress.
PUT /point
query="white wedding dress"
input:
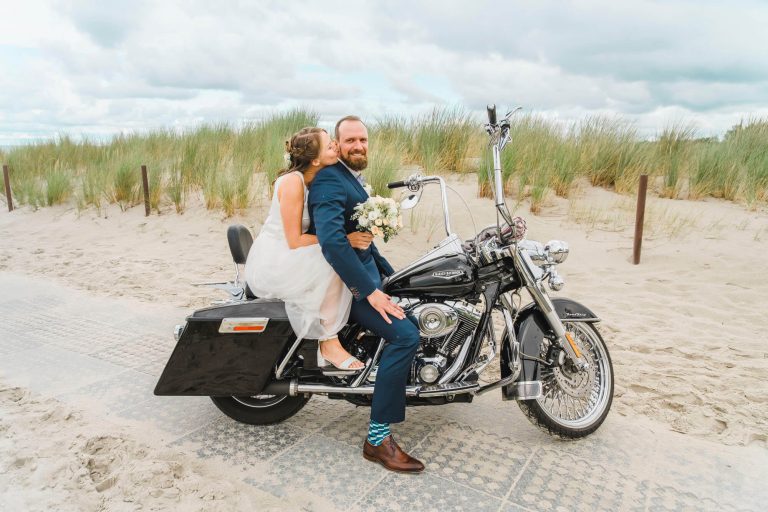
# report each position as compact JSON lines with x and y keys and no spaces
{"x":316,"y":300}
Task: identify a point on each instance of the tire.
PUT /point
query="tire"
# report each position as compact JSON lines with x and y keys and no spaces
{"x":260,"y":409}
{"x":574,"y":404}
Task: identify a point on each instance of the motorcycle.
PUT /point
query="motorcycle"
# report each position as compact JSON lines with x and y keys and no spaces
{"x":553,"y":361}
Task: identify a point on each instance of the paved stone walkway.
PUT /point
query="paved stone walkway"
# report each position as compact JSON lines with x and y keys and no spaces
{"x":108,"y":354}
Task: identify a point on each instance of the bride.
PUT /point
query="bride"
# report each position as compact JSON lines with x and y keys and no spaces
{"x":286,"y":263}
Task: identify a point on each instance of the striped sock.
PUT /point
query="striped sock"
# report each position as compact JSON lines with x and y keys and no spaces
{"x":377,"y":432}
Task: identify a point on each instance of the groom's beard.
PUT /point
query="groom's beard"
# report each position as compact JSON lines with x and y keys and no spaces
{"x":356,"y":161}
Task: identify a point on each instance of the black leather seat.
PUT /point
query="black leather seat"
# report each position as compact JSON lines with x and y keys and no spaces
{"x":240,"y":242}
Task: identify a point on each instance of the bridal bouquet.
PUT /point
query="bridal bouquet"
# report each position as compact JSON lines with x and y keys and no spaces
{"x":379,"y":216}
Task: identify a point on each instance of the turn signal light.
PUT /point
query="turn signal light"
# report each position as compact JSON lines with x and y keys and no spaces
{"x":242,"y":325}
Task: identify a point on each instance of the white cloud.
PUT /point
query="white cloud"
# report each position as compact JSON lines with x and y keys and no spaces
{"x":98,"y":69}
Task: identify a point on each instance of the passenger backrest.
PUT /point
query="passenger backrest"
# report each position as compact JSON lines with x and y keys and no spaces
{"x":240,"y":241}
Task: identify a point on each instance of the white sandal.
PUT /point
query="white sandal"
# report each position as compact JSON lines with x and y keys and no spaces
{"x":325,"y":364}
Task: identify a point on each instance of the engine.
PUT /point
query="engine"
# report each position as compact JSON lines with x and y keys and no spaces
{"x":444,"y":327}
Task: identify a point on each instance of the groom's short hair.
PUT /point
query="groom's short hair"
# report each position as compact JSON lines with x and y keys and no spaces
{"x":345,"y":118}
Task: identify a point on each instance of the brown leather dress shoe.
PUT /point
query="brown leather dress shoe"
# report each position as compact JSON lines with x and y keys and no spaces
{"x":389,"y":455}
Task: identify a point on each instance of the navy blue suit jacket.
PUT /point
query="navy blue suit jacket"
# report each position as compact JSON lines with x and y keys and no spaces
{"x":333,"y":195}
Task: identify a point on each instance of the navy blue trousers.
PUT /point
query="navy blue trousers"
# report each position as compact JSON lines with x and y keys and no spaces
{"x":402,"y":341}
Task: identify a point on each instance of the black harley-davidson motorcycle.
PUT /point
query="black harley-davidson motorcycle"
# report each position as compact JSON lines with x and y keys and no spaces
{"x":553,"y":361}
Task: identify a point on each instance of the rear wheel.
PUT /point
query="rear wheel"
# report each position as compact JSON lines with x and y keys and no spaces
{"x":574,"y":403}
{"x":260,"y":409}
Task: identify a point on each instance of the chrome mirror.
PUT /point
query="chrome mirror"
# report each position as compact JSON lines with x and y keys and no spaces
{"x":410,"y":201}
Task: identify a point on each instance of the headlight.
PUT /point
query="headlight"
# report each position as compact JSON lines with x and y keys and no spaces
{"x":557,"y":250}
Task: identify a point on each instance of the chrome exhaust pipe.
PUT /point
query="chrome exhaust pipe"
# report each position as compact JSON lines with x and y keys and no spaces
{"x":293,"y":388}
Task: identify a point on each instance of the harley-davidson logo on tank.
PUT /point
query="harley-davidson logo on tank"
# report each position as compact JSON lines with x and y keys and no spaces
{"x":448,"y":274}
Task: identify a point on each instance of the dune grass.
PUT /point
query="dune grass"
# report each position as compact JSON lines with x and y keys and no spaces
{"x":544,"y":158}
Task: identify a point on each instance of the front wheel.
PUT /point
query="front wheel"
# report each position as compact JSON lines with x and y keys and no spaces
{"x":574,"y":403}
{"x":260,"y":409}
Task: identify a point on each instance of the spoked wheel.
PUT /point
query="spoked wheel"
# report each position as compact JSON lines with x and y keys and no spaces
{"x":260,"y":409}
{"x":574,"y":403}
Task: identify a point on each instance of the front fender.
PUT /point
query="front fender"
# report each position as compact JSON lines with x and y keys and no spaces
{"x":531,"y":327}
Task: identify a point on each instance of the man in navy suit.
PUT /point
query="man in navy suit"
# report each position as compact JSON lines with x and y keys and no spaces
{"x":334,"y":193}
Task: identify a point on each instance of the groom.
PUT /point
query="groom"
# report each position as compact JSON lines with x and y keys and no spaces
{"x":335,"y":191}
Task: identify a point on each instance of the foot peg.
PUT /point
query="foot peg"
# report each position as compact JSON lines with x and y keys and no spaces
{"x":453,"y":388}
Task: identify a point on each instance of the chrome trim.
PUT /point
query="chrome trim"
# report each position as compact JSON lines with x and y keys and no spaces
{"x":369,"y":365}
{"x":446,"y":316}
{"x":459,"y":362}
{"x":471,"y":316}
{"x":483,"y":360}
{"x":498,"y":384}
{"x":527,"y":390}
{"x":498,"y":186}
{"x":557,"y":251}
{"x":454,"y":388}
{"x":526,"y":270}
{"x":444,"y":197}
{"x":177,"y":332}
{"x":281,"y":368}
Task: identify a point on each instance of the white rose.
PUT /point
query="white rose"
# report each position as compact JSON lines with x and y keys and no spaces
{"x":363,"y":221}
{"x":378,"y":222}
{"x":373,"y":215}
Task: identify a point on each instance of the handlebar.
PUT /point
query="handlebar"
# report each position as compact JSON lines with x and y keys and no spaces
{"x":396,"y":184}
{"x":492,"y":113}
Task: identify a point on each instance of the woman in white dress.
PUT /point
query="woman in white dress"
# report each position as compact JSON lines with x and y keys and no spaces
{"x":286,"y":263}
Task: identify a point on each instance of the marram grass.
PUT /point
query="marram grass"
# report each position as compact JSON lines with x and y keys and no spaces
{"x":544,"y":158}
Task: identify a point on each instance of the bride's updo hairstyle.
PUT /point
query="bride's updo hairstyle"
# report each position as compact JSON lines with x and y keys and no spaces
{"x":302,"y":148}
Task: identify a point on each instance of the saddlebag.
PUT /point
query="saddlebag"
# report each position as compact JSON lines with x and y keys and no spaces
{"x":215,"y":356}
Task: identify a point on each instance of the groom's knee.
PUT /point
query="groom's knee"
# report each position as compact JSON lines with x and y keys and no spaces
{"x":408,"y":335}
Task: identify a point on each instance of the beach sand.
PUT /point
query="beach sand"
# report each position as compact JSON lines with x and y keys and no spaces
{"x":685,"y":328}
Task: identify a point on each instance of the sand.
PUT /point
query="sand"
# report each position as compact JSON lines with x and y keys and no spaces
{"x":66,"y":459}
{"x":685,"y":327}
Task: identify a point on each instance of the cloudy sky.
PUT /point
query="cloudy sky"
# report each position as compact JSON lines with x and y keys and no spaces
{"x":96,"y":68}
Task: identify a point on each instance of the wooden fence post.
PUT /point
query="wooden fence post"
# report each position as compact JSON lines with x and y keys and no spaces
{"x":145,"y":184}
{"x":7,"y":180}
{"x":639,"y":218}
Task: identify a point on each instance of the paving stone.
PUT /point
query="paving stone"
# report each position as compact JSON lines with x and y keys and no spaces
{"x":153,"y":368}
{"x":321,"y":466}
{"x":671,"y":499}
{"x":468,"y":456}
{"x":318,"y":412}
{"x":86,"y":336}
{"x":134,"y":353}
{"x":10,"y":344}
{"x":108,"y":353}
{"x":352,"y":428}
{"x":241,"y":444}
{"x":426,"y":493}
{"x":732,"y":476}
{"x":176,"y":415}
{"x":52,"y":370}
{"x":122,"y":391}
{"x":514,"y":507}
{"x":555,"y":481}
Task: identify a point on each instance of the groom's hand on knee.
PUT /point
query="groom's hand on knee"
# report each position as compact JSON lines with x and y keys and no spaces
{"x":382,"y":303}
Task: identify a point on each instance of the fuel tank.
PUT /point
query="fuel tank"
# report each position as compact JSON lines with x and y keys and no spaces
{"x":229,"y":349}
{"x":450,"y":275}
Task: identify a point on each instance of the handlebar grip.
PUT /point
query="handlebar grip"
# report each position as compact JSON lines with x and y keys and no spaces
{"x":396,"y":184}
{"x":492,"y":113}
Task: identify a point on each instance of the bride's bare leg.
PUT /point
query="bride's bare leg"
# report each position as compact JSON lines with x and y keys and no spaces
{"x":331,"y":348}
